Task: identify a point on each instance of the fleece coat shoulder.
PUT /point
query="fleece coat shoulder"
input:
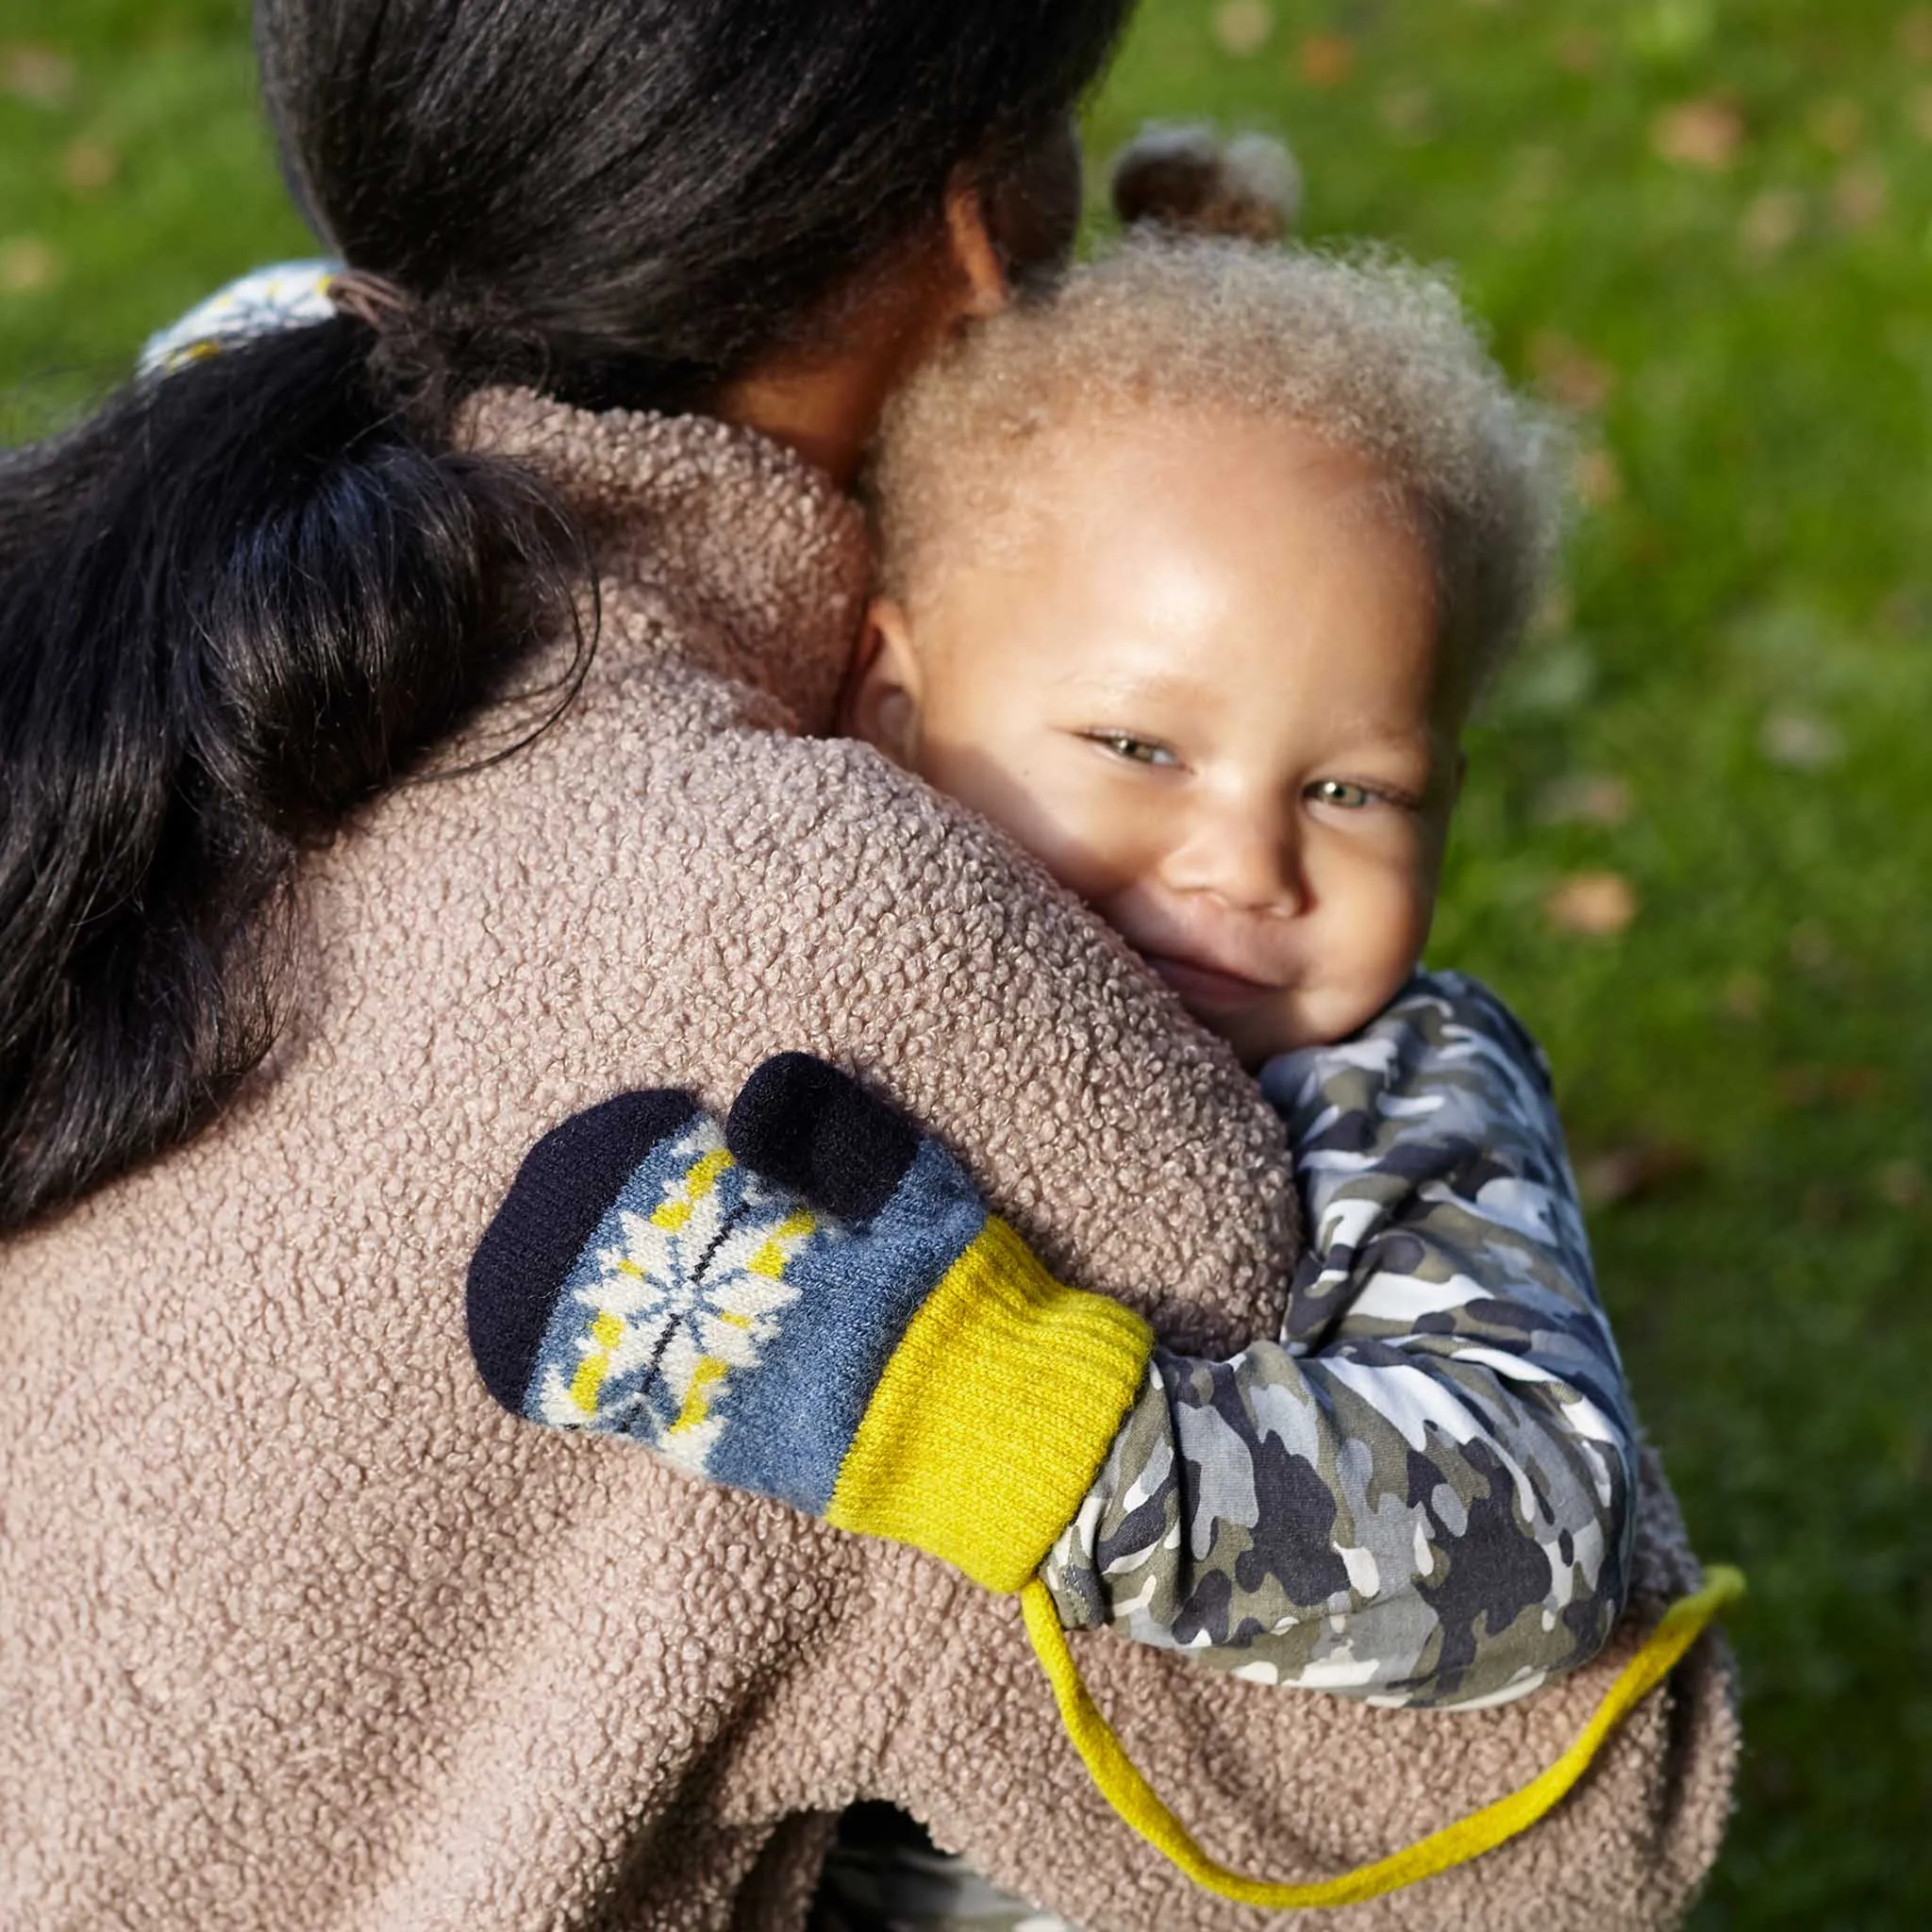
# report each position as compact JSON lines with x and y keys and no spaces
{"x":298,"y":1627}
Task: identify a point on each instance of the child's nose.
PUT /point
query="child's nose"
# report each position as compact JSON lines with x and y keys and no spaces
{"x":1251,"y":864}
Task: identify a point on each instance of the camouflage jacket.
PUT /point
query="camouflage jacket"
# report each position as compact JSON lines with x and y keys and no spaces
{"x":1424,"y":1493}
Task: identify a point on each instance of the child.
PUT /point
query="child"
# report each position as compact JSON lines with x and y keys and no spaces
{"x":1187,"y":582}
{"x":1190,"y":575}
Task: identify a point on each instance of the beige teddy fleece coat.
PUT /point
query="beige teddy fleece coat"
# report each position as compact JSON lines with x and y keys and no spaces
{"x":299,"y":1630}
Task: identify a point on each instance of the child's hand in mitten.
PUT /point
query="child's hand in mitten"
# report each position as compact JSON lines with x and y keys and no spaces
{"x":812,"y":1303}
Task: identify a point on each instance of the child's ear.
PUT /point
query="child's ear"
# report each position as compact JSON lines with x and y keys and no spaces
{"x":880,"y":703}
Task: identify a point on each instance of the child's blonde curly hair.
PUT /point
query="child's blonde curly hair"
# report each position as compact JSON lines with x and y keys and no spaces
{"x":1361,"y":348}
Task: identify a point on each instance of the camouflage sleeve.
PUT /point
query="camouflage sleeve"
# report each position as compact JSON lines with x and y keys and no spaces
{"x":1424,"y":1492}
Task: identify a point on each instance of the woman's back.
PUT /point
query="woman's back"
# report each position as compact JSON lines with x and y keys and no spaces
{"x":293,"y":1611}
{"x":292,"y":1605}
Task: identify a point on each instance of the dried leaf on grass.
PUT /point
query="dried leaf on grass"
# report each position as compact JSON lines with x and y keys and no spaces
{"x":1580,"y":50}
{"x":1901,"y":1183}
{"x":1801,"y":743}
{"x":1806,"y":1086}
{"x":27,"y":265}
{"x":1630,"y":1173}
{"x":37,"y":75}
{"x":1243,"y":27}
{"x":1567,"y":372}
{"x":1596,"y":478}
{"x":1811,"y":946}
{"x":1587,"y":798}
{"x":1744,"y":994}
{"x":1771,"y":222}
{"x":1597,"y":905}
{"x":1408,"y":110}
{"x":88,"y":166}
{"x":1861,"y":194}
{"x":1705,"y":133}
{"x":1837,"y":124}
{"x":1326,"y":60}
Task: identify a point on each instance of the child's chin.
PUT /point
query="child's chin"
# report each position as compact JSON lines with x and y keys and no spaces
{"x":1256,"y":1038}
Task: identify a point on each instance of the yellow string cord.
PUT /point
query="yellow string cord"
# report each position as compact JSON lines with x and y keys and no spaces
{"x":1130,"y":1794}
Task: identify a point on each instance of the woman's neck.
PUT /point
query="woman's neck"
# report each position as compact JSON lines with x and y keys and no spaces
{"x":825,"y":407}
{"x":825,"y":413}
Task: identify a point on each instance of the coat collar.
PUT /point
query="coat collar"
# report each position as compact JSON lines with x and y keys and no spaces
{"x":711,"y":541}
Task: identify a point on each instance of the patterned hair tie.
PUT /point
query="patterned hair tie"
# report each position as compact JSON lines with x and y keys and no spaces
{"x":291,"y":294}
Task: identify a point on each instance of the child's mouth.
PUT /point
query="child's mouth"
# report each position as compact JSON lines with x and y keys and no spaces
{"x":1209,"y":987}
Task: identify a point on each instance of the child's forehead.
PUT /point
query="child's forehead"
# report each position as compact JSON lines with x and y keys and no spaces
{"x":1374,"y":352}
{"x":1175,"y":491}
{"x":1079,"y":431}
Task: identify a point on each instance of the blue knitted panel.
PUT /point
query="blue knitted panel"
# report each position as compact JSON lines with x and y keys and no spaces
{"x":716,"y":1321}
{"x":859,"y":1285}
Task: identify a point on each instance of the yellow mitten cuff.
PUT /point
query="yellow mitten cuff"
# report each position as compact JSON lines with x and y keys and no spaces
{"x":993,"y":1414}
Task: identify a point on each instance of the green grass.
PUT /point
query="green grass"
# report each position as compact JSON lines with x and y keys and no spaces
{"x":1711,"y":226}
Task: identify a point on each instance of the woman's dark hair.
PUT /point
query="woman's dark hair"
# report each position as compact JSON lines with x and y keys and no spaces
{"x":246,"y":597}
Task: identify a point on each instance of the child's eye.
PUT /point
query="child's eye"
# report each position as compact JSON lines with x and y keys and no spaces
{"x":1341,"y":793}
{"x":1139,"y":750}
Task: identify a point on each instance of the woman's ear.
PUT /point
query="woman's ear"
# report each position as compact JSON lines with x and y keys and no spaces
{"x":880,"y":702}
{"x":974,"y":253}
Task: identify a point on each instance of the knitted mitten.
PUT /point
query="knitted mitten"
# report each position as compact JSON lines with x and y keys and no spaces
{"x":812,"y":1304}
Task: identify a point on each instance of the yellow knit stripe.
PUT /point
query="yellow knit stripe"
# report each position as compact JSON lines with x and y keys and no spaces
{"x":697,"y":1397}
{"x":1134,"y":1799}
{"x":606,"y":1331}
{"x":993,"y":1414}
{"x":672,"y":1214}
{"x":774,"y":1254}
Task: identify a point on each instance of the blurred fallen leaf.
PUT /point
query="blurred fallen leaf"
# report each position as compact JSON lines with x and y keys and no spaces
{"x":1243,"y":26}
{"x":1811,"y":947}
{"x":1537,"y":174}
{"x":1743,"y":995}
{"x":27,"y":265}
{"x":1822,"y":1205}
{"x":37,"y":75}
{"x":1596,"y":478}
{"x":1922,"y":113}
{"x":1580,"y":50}
{"x":1901,"y":1183}
{"x":1555,"y":612}
{"x":1837,"y":124}
{"x":1598,"y":905}
{"x":1557,"y":678}
{"x":1771,"y":222}
{"x":1915,"y":34}
{"x":1852,"y":1086}
{"x":1585,"y":798}
{"x":1629,"y":1174}
{"x":1326,"y":60}
{"x":1569,"y":372}
{"x":87,"y":166}
{"x":1801,"y":743}
{"x":1861,"y":194}
{"x":1704,"y":133}
{"x":1407,"y":109}
{"x":1904,"y":613}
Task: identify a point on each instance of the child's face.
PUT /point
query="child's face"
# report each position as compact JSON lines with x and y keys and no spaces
{"x":1205,"y":688}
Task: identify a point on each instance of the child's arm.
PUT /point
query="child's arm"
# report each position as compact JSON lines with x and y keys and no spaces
{"x":1429,"y":1485}
{"x":1424,"y":1494}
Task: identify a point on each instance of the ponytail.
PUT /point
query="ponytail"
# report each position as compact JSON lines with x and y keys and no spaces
{"x":251,"y":593}
{"x":237,"y":604}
